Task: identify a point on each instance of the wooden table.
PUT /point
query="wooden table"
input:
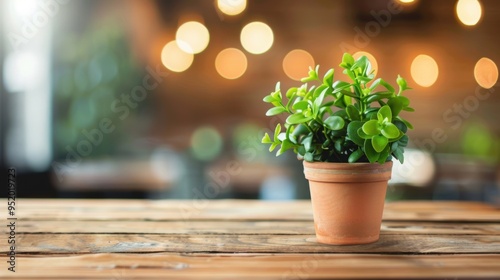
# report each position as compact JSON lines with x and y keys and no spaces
{"x":229,"y":239}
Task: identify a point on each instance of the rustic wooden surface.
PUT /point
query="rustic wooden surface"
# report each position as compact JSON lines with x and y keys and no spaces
{"x":229,"y":239}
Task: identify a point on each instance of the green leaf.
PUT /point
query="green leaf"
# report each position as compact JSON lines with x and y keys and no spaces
{"x":355,"y":156}
{"x":300,"y":130}
{"x":403,"y":141}
{"x":395,"y":104}
{"x":360,"y":63}
{"x":347,"y":59}
{"x":334,"y":122}
{"x":378,"y":96}
{"x":266,"y":139}
{"x":328,"y":78}
{"x":275,"y":111}
{"x":404,"y":100}
{"x":363,"y":135}
{"x":298,"y":118}
{"x":371,"y":128}
{"x":352,"y":132}
{"x":402,"y":83}
{"x":352,"y":112}
{"x":398,"y":154}
{"x":408,"y":124}
{"x":340,"y":85}
{"x":301,"y":105}
{"x":307,"y":142}
{"x":387,"y":86}
{"x":400,"y":125}
{"x":379,"y":143}
{"x":269,"y":99}
{"x":384,"y":155}
{"x":291,"y":92}
{"x":370,"y":152}
{"x":409,"y":109}
{"x":338,"y":145}
{"x":286,"y":145}
{"x":341,"y":113}
{"x":375,"y":84}
{"x":385,"y":113}
{"x":313,"y":75}
{"x":390,"y":131}
{"x":308,"y":157}
{"x":277,"y":131}
{"x":277,"y":87}
{"x":273,"y":146}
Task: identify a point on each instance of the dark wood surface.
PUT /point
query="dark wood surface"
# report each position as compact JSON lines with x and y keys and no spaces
{"x":230,"y":239}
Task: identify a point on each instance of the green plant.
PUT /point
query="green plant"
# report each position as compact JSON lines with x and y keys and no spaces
{"x":366,"y":127}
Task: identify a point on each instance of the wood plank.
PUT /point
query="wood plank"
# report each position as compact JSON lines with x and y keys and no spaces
{"x":240,"y":227}
{"x":247,"y":266}
{"x":264,"y":243}
{"x":163,"y":210}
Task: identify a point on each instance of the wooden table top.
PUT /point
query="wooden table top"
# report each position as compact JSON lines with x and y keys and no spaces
{"x":231,"y":239}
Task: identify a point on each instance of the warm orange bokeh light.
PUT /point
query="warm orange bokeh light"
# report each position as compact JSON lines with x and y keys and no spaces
{"x":424,"y":70}
{"x":257,"y":37}
{"x":174,"y":58}
{"x":486,"y":73}
{"x":231,"y":63}
{"x":192,"y":37}
{"x":231,"y":7}
{"x":370,"y":57}
{"x":469,"y":11}
{"x":296,"y":64}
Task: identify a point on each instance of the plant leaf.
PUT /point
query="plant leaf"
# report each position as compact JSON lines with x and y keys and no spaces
{"x":395,"y":104}
{"x":355,"y":156}
{"x":390,"y":131}
{"x":297,"y":118}
{"x":307,"y":142}
{"x":291,"y":92}
{"x":269,"y":99}
{"x":275,"y":111}
{"x":386,"y":85}
{"x":328,"y":78}
{"x":379,"y":143}
{"x":352,"y":112}
{"x":352,"y":132}
{"x":301,"y":105}
{"x":370,"y":152}
{"x":308,"y":157}
{"x":266,"y":139}
{"x":363,"y":135}
{"x":385,"y":113}
{"x":371,"y":127}
{"x":334,"y":122}
{"x":277,"y":131}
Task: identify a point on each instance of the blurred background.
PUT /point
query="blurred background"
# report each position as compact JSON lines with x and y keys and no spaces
{"x":163,"y":99}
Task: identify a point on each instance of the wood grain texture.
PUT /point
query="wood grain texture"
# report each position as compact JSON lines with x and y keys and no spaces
{"x":255,"y":243}
{"x":228,"y":239}
{"x":248,"y":266}
{"x":164,"y":210}
{"x":242,"y":227}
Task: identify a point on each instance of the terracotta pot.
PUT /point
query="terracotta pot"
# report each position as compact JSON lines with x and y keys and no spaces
{"x":348,"y":200}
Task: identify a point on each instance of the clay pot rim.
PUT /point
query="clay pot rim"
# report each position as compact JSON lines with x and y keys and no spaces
{"x":374,"y":167}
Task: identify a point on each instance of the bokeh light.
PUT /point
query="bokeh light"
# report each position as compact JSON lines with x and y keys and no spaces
{"x":370,"y":57}
{"x":469,"y":11}
{"x":231,"y":7}
{"x":174,"y":58}
{"x":192,"y":37}
{"x":231,"y":63}
{"x":206,"y":143}
{"x":257,"y":37}
{"x":424,"y":70}
{"x":296,"y":64}
{"x":406,"y":1}
{"x":486,"y":72}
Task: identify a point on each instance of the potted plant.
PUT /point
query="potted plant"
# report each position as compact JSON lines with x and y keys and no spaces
{"x":347,"y":133}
